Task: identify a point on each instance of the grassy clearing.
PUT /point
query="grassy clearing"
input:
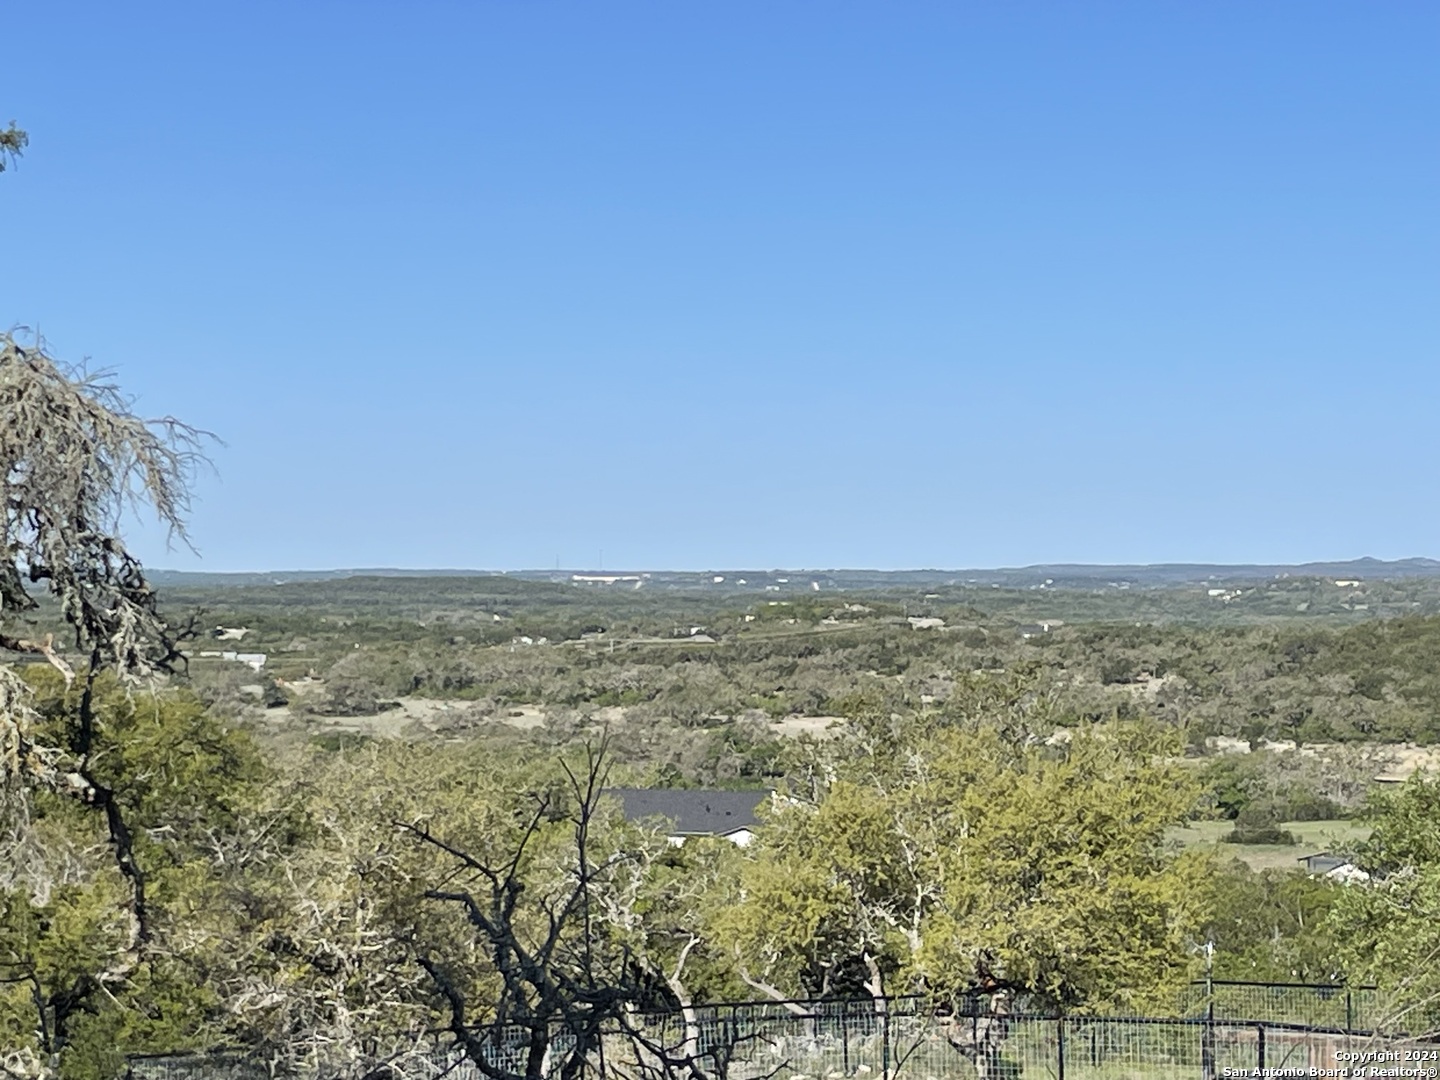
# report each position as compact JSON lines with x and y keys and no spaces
{"x":1310,"y":837}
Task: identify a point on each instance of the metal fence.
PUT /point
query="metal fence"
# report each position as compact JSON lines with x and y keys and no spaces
{"x":1313,"y":1005}
{"x":225,"y":1065}
{"x":913,"y":1043}
{"x":908,"y":1040}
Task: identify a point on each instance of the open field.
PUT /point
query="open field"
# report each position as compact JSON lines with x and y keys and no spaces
{"x":1310,"y":837}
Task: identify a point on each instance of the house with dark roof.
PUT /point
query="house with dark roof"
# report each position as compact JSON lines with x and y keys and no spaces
{"x":1334,"y":867}
{"x":688,"y":812}
{"x":1322,"y":862}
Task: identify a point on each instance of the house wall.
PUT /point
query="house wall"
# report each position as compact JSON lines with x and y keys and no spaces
{"x":740,"y":838}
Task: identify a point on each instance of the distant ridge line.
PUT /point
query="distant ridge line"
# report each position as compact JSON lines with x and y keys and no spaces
{"x":1058,"y":574}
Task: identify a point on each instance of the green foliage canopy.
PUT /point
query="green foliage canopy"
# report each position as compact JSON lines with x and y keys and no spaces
{"x":965,"y":860}
{"x":1390,"y":929}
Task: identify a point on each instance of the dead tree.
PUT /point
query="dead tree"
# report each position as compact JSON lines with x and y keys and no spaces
{"x":565,"y":988}
{"x":557,"y":993}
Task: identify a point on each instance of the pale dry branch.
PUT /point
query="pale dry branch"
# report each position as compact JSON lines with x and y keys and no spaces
{"x":74,"y":460}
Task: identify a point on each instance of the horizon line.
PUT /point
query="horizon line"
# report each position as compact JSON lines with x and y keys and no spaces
{"x":721,"y":568}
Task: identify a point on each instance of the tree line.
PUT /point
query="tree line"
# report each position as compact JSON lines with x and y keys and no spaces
{"x":345,"y":908}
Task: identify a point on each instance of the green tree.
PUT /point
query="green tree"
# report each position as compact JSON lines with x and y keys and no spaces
{"x":1390,"y":929}
{"x":557,"y":904}
{"x":967,"y":860}
{"x":74,"y":460}
{"x":68,"y":935}
{"x":1272,"y":926}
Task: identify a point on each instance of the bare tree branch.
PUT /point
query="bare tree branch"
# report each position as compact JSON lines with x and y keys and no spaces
{"x":12,"y":144}
{"x":566,"y":981}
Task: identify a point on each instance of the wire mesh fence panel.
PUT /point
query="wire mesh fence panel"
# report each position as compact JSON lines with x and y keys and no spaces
{"x":831,"y":1040}
{"x":826,"y":1040}
{"x":1100,"y":1049}
{"x":212,"y":1066}
{"x":1286,"y":1049}
{"x":1115,"y":1049}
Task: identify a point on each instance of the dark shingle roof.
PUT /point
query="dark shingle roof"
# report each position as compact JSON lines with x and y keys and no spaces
{"x":693,"y":811}
{"x":1322,"y":862}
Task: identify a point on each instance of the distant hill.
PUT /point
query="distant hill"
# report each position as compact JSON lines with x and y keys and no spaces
{"x":279,"y":577}
{"x":1054,"y":575}
{"x":1162,"y":574}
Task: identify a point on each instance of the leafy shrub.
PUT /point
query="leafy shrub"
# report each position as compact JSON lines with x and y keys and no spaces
{"x":1257,"y":825}
{"x":1259,"y":834}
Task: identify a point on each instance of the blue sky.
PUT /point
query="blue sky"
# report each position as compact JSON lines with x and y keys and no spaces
{"x":750,"y":284}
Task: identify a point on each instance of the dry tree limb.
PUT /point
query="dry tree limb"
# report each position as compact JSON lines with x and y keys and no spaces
{"x":74,"y":460}
{"x":44,"y":648}
{"x":13,"y":141}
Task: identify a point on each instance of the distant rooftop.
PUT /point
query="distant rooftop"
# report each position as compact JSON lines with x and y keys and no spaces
{"x":693,"y":811}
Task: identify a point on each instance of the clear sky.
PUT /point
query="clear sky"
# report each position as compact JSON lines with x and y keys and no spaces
{"x":790,"y":284}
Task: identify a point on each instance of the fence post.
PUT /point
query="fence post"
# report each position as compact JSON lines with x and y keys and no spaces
{"x":1260,"y":1046}
{"x":1207,"y":1031}
{"x":1349,"y":1010}
{"x":885,"y":1044}
{"x":1060,"y":1048}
